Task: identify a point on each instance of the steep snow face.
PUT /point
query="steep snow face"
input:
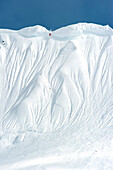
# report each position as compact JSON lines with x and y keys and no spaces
{"x":59,"y":84}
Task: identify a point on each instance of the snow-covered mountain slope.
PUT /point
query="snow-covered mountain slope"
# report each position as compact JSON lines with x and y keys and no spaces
{"x":56,"y":98}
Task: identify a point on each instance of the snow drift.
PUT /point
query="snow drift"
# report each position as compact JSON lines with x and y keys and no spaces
{"x":56,"y":98}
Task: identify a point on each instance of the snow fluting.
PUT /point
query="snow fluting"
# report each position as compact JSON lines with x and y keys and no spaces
{"x":56,"y":98}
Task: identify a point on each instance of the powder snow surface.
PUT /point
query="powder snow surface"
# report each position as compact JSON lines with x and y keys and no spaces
{"x":56,"y":98}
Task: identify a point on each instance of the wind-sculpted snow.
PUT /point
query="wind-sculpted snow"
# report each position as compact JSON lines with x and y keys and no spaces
{"x":56,"y":98}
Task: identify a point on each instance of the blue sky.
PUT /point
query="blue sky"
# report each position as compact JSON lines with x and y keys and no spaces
{"x":53,"y":14}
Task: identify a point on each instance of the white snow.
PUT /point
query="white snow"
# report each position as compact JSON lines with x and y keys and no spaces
{"x":56,"y":98}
